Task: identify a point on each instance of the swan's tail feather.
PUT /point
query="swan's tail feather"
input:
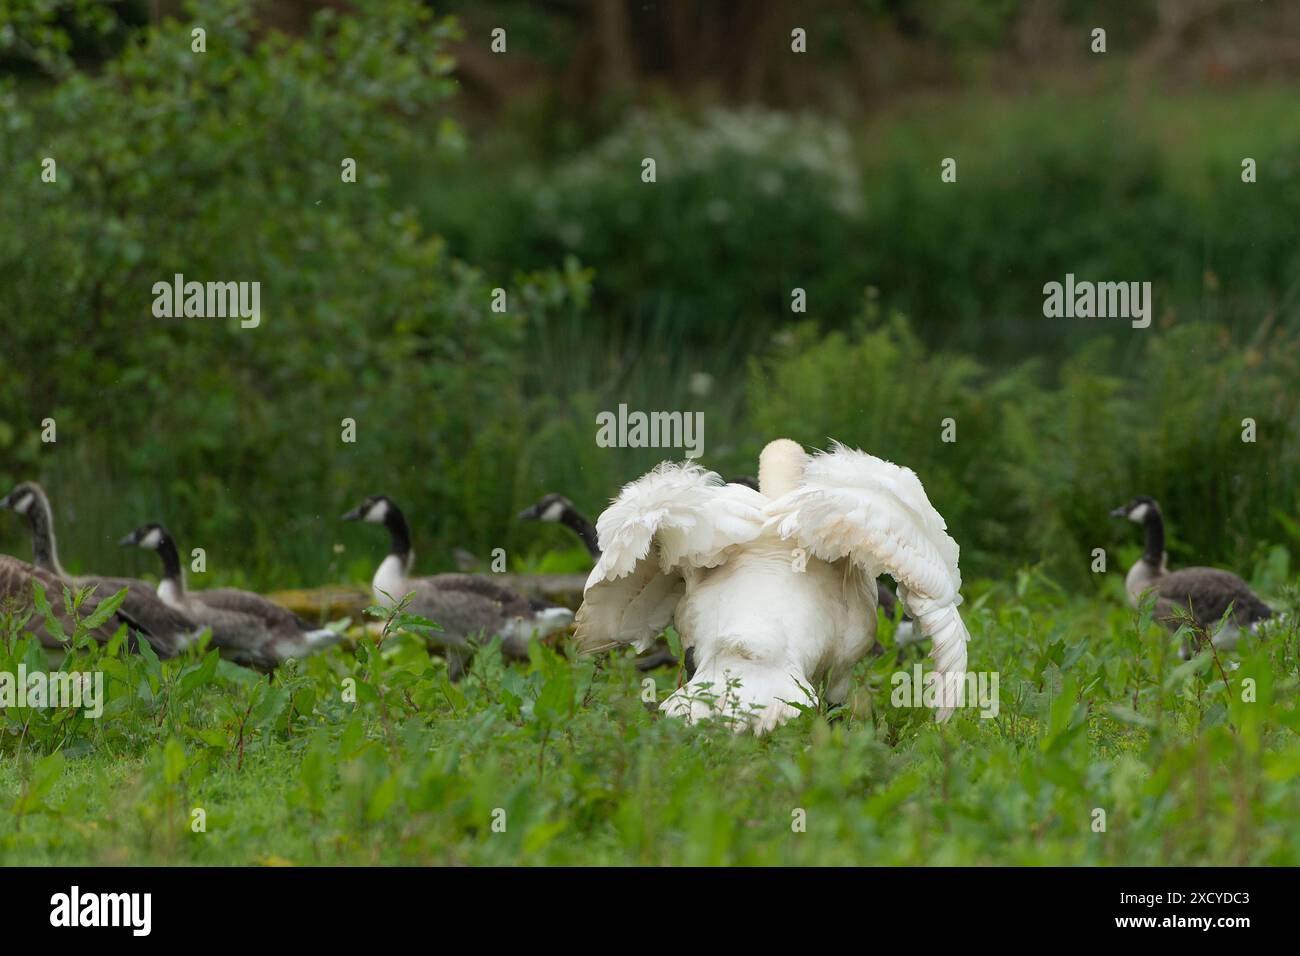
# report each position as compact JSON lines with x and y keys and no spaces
{"x":944,"y":625}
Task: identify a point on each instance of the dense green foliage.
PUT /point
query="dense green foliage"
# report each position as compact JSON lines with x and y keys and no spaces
{"x":1096,"y":711}
{"x":924,"y":304}
{"x":744,"y":207}
{"x":376,"y":300}
{"x":749,"y":205}
{"x":1033,"y":469}
{"x":228,"y":166}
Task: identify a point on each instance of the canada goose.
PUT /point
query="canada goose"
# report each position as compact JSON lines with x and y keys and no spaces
{"x":246,"y":628}
{"x":168,"y":630}
{"x":774,"y":589}
{"x":463,"y":605}
{"x":16,"y":594}
{"x":1206,"y":593}
{"x":557,"y":508}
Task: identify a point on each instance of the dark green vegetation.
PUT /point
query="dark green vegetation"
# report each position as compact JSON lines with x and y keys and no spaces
{"x":924,"y":303}
{"x":1097,"y":712}
{"x":227,"y":166}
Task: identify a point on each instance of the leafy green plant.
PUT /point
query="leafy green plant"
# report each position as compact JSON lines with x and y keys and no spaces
{"x":562,"y":761}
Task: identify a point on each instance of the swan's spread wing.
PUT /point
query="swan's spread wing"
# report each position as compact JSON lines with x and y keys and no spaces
{"x":875,"y":513}
{"x":678,"y":517}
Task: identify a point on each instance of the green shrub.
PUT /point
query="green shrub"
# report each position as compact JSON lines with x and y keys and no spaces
{"x":1036,"y":469}
{"x":1094,"y":710}
{"x":747,"y":205}
{"x":879,"y":388}
{"x":1100,"y":197}
{"x":1172,"y":429}
{"x":227,"y":166}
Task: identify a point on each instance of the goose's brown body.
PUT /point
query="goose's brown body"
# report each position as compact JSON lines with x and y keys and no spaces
{"x":167,"y":630}
{"x":18,"y":595}
{"x":1205,"y":595}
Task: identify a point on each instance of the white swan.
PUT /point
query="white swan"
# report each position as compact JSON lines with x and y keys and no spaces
{"x":775,"y":589}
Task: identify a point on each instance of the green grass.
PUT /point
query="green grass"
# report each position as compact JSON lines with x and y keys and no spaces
{"x":1096,"y":713}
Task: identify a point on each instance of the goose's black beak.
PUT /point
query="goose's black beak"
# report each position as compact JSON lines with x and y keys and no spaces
{"x":528,"y":514}
{"x":7,"y":501}
{"x":353,"y":515}
{"x":1120,"y":512}
{"x":130,"y":539}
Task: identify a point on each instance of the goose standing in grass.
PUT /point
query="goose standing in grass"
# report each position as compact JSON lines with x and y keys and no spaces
{"x":774,"y":589}
{"x":17,"y":595}
{"x":1206,"y":593}
{"x":464,"y":605}
{"x":246,"y":628}
{"x":167,"y":629}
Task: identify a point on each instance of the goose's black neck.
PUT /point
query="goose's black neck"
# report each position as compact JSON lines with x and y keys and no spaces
{"x":583,"y":529}
{"x":45,"y":553}
{"x":171,"y":561}
{"x":1154,"y":524}
{"x":398,"y":531}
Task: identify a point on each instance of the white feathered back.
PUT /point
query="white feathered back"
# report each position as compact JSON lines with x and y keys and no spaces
{"x":876,"y":513}
{"x":856,"y":506}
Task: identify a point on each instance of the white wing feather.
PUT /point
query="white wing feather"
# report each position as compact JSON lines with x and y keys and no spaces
{"x":677,"y":517}
{"x":876,"y":514}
